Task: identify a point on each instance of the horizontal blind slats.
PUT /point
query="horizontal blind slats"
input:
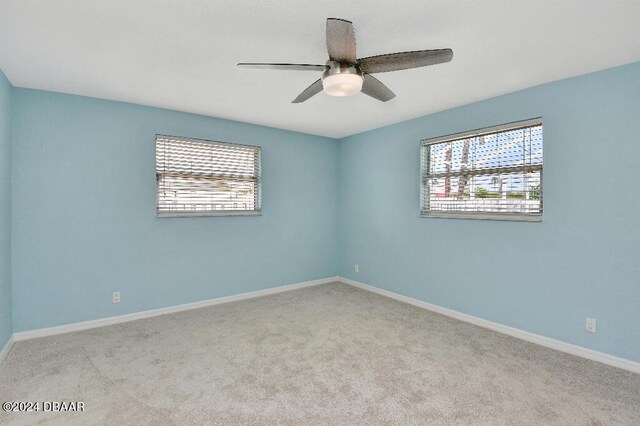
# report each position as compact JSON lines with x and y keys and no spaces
{"x":498,"y":172}
{"x":196,"y":176}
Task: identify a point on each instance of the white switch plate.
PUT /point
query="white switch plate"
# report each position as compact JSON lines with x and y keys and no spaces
{"x":356,"y":267}
{"x":591,"y":325}
{"x":116,"y":297}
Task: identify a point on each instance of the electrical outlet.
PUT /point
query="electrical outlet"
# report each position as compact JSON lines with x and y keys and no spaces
{"x":356,"y":267}
{"x":591,"y":325}
{"x":116,"y":297}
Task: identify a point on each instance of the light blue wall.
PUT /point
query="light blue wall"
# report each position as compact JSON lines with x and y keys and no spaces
{"x":84,"y":220}
{"x":582,"y":260}
{"x":6,"y":322}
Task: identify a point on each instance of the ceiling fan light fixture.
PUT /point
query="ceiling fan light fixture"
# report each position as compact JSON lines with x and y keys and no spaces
{"x":342,"y":84}
{"x":344,"y":74}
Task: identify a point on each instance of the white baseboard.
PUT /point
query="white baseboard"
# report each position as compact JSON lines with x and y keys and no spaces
{"x":569,"y":348}
{"x":514,"y":332}
{"x":5,"y":351}
{"x":67,"y":328}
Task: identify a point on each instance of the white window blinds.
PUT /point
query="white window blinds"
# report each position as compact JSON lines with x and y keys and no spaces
{"x":206,"y":178}
{"x":488,"y":173}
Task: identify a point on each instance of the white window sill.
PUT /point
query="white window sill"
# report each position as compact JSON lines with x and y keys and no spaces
{"x":484,"y":216}
{"x":205,"y":214}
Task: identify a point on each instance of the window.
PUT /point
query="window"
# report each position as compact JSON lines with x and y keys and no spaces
{"x":205,"y":178}
{"x":492,"y":173}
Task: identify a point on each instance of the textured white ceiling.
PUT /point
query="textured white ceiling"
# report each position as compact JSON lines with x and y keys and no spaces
{"x":181,"y":54}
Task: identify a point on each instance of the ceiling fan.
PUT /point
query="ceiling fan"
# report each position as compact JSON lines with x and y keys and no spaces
{"x":345,"y":75}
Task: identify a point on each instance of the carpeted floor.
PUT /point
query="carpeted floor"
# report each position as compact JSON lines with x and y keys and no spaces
{"x":330,"y":354}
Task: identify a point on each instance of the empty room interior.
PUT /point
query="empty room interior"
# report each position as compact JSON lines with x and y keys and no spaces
{"x":327,"y":212}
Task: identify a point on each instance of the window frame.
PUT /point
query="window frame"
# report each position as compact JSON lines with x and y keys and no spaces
{"x":186,"y":213}
{"x":521,"y":217}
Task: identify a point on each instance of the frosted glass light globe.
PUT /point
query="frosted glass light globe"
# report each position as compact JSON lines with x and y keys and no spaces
{"x":342,"y":84}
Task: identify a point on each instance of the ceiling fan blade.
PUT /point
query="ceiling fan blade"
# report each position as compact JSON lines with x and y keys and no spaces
{"x":284,"y":67}
{"x":404,"y":60}
{"x":374,"y":88}
{"x":314,"y":89}
{"x":341,"y":41}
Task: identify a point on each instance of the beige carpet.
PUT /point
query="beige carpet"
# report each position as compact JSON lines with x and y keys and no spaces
{"x":330,"y":354}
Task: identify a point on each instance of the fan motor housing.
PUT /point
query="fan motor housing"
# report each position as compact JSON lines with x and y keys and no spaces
{"x":334,"y":67}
